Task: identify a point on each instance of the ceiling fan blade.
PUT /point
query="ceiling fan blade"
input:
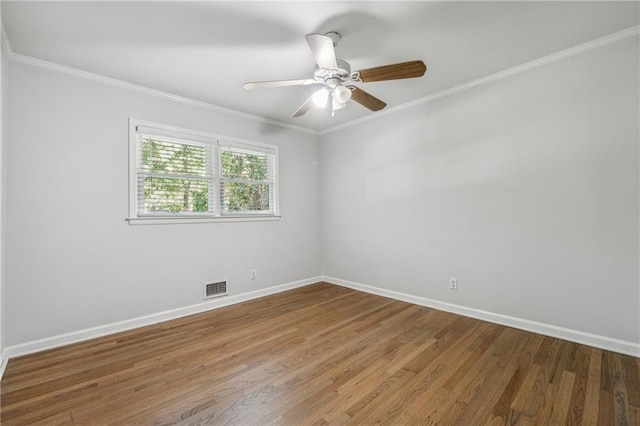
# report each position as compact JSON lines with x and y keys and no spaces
{"x":365,"y":99}
{"x":409,"y":69}
{"x":304,"y":108}
{"x":277,"y":83}
{"x":322,"y":50}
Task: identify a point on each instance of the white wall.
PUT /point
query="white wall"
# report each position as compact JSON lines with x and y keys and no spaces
{"x":3,"y":138}
{"x":525,"y":190}
{"x":72,"y":262}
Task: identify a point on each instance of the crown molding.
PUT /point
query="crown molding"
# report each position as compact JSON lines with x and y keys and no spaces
{"x":621,"y":35}
{"x":28,"y":60}
{"x":612,"y":38}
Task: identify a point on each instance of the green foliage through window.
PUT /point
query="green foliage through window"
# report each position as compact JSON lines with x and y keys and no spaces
{"x":176,"y":176}
{"x":175,"y":195}
{"x":245,"y":181}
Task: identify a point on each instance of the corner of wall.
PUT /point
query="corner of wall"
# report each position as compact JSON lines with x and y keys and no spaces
{"x":3,"y":132}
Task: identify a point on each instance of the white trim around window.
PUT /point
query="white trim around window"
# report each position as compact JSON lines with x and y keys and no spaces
{"x":184,"y":176}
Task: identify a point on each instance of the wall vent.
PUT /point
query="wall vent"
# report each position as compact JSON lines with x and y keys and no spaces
{"x":215,"y":289}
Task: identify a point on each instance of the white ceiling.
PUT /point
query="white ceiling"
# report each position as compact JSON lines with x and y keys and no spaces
{"x":207,"y":50}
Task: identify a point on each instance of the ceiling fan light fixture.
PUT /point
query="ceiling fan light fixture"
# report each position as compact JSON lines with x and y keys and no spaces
{"x":320,"y":98}
{"x":341,"y":94}
{"x":336,"y":105}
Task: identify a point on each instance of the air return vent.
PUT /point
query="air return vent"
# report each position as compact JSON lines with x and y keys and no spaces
{"x":215,"y":289}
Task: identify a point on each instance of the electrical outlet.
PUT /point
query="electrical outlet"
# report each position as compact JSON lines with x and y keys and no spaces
{"x":253,"y":274}
{"x":453,"y":283}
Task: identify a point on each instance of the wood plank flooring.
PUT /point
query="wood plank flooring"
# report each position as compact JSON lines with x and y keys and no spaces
{"x":319,"y":355}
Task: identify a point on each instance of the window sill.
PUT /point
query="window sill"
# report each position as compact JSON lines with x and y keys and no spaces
{"x":188,"y":220}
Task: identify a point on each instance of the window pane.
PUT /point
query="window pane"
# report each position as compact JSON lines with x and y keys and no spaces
{"x":159,"y":156}
{"x":245,"y":198}
{"x":244,"y":165}
{"x":166,"y":195}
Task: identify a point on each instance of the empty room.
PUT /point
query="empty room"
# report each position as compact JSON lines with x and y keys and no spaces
{"x":313,"y":213}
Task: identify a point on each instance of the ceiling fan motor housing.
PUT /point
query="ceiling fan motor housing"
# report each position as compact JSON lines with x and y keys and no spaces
{"x":327,"y":76}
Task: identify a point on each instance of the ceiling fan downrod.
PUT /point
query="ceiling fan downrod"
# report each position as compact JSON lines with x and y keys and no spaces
{"x":334,"y":36}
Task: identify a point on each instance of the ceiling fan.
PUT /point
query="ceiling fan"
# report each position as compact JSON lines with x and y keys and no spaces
{"x":335,"y":77}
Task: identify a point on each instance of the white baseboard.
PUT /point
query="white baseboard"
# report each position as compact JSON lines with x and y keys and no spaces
{"x":4,"y":359}
{"x":602,"y":342}
{"x":103,"y":330}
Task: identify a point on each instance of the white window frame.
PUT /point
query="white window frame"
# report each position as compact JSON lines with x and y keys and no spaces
{"x":215,"y":144}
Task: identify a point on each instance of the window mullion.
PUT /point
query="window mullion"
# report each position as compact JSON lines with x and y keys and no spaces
{"x":212,"y":167}
{"x":246,"y":181}
{"x":173,"y":176}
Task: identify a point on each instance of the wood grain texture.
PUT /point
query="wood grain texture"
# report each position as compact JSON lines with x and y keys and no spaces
{"x":411,"y":69}
{"x":366,"y":99}
{"x":323,"y":355}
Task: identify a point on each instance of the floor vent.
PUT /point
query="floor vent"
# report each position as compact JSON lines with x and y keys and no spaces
{"x":215,"y":289}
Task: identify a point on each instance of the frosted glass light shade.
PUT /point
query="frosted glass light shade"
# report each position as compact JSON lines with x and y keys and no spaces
{"x":342,"y":94}
{"x":320,"y":98}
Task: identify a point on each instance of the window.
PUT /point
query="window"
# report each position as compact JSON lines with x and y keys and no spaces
{"x":182,"y":174}
{"x":247,"y":180}
{"x":174,"y":176}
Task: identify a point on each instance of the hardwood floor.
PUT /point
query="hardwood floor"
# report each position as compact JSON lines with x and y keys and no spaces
{"x":318,"y":355}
